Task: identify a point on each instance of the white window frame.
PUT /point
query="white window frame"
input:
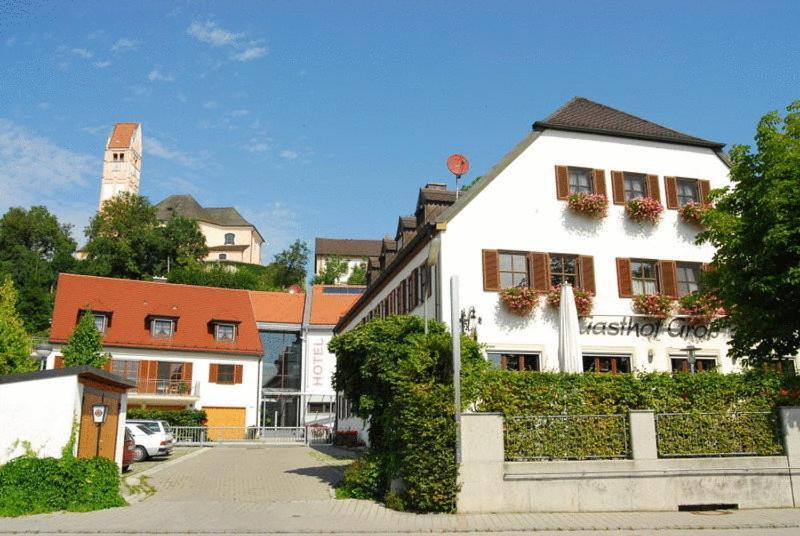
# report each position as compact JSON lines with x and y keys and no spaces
{"x":219,"y":325}
{"x":156,"y":320}
{"x":102,"y":316}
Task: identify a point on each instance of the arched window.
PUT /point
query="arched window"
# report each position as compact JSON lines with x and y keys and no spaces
{"x":229,"y":239}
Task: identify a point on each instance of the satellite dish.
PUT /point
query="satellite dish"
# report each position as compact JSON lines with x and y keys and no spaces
{"x":457,"y":164}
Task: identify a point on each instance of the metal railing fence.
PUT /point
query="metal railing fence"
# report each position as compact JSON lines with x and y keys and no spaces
{"x":566,"y":437}
{"x":754,"y":433}
{"x":163,"y":387}
{"x":251,"y":435}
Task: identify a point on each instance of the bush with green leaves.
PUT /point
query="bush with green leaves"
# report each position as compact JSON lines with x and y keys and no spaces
{"x":400,"y":378}
{"x":85,"y":345}
{"x":183,"y":417}
{"x":31,"y":485}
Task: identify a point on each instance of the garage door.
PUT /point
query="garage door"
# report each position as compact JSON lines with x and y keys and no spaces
{"x":225,"y":423}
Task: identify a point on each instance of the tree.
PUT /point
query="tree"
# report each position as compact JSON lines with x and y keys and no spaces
{"x":34,"y":248}
{"x":755,"y":228}
{"x":334,"y":268}
{"x":85,"y":345}
{"x":15,"y":344}
{"x":358,"y":276}
{"x":125,"y":239}
{"x":290,"y":265}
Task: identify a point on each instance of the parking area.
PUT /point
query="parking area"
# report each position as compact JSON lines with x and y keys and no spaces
{"x":152,"y":463}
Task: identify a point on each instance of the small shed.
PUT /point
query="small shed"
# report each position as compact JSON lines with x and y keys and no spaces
{"x":38,"y":411}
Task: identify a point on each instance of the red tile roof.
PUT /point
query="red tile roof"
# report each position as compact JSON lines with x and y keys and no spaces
{"x":122,"y":135}
{"x":280,"y":307}
{"x":327,"y":309}
{"x":131,"y":302}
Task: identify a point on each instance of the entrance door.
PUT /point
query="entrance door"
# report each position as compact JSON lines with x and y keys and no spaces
{"x":101,"y":440}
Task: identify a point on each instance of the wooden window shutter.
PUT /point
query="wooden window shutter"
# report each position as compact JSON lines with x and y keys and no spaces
{"x":562,"y":182}
{"x":503,"y":361}
{"x":58,"y":361}
{"x":600,"y":181}
{"x":624,"y":282}
{"x":671,"y":192}
{"x":539,"y":271}
{"x":668,"y":278}
{"x":212,"y":372}
{"x":587,"y":273}
{"x":237,"y":374}
{"x":187,"y":371}
{"x":107,"y":365}
{"x":652,"y":187}
{"x":704,"y":187}
{"x":491,"y":273}
{"x":618,"y":187}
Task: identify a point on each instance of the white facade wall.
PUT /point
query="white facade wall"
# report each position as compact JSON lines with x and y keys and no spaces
{"x":318,"y":363}
{"x":241,"y":395}
{"x":40,"y":412}
{"x":215,"y":236}
{"x":352,"y":264}
{"x":519,"y":210}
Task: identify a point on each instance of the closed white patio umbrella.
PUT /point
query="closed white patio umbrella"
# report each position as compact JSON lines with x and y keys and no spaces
{"x":569,"y":349}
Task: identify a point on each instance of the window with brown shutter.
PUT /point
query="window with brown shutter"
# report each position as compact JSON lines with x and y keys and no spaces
{"x":671,"y":192}
{"x":237,"y":374}
{"x":667,"y":272}
{"x":705,"y":188}
{"x":652,"y":187}
{"x":624,"y":282}
{"x":187,"y":372}
{"x":618,"y":187}
{"x":600,"y":181}
{"x":586,"y":264}
{"x":539,"y":271}
{"x":213,"y":369}
{"x":58,"y":361}
{"x":562,"y":182}
{"x":491,"y":270}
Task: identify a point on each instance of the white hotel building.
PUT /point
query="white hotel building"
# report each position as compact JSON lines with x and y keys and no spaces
{"x":515,"y":226}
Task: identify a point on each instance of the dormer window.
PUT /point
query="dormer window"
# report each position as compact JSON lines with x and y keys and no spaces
{"x":230,"y":238}
{"x":162,"y":328}
{"x":225,"y":332}
{"x":100,"y":322}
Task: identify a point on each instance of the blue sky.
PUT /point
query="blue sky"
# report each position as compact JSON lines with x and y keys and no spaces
{"x":323,"y":118}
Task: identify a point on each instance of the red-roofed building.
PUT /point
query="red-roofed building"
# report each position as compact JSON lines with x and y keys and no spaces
{"x":248,"y":358}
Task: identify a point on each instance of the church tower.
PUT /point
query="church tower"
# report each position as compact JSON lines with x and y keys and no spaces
{"x":122,"y":161}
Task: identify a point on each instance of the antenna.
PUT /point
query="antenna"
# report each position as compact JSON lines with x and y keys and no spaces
{"x":458,"y":165}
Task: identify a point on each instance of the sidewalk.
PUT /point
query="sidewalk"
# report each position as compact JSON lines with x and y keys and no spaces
{"x":287,"y":491}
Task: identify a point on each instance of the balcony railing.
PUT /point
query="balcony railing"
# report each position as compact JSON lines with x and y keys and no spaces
{"x":164,"y":387}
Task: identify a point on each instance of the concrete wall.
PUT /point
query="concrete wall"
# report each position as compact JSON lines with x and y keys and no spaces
{"x":40,"y":412}
{"x":519,"y":211}
{"x":645,"y":482}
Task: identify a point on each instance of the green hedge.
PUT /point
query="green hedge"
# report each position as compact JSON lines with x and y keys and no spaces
{"x":30,"y":485}
{"x":185,"y":417}
{"x":534,"y":393}
{"x":575,"y":437}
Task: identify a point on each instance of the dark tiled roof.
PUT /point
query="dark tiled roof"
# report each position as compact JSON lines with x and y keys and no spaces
{"x":347,"y":247}
{"x":374,"y":263}
{"x":389,"y":244}
{"x":429,"y":195}
{"x":188,"y":207}
{"x":583,"y":115}
{"x":407,"y":222}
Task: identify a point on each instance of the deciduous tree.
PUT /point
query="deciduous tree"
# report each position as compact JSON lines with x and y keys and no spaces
{"x":85,"y":345}
{"x":335,"y":267}
{"x":755,"y":228}
{"x":15,"y":344}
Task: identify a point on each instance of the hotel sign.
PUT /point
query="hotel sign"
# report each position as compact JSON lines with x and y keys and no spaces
{"x":632,"y":326}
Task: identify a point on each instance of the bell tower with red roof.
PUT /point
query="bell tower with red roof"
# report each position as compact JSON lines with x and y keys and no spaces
{"x":122,"y":161}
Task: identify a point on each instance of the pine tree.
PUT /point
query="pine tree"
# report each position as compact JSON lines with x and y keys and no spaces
{"x":85,"y":345}
{"x":15,"y":343}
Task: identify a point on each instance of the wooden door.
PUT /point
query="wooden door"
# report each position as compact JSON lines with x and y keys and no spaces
{"x":217,"y":416}
{"x":94,"y":440}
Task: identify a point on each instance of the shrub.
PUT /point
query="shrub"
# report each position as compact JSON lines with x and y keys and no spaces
{"x":692,"y":213}
{"x":365,"y":478}
{"x":346,"y":438}
{"x":701,"y":308}
{"x":591,"y":205}
{"x":184,"y":417}
{"x":584,"y":299}
{"x":30,"y":485}
{"x":519,"y":300}
{"x":644,"y":210}
{"x":652,"y":305}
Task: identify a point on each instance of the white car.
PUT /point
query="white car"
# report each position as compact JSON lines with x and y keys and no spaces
{"x":148,"y":442}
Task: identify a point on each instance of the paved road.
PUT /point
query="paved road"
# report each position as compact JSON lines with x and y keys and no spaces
{"x":287,"y":490}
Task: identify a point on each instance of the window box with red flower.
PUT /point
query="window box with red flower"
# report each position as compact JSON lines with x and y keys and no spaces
{"x":589,"y":205}
{"x":700,"y":309}
{"x":519,"y":300}
{"x":584,"y":299}
{"x":644,"y":210}
{"x":652,"y":305}
{"x":692,"y":213}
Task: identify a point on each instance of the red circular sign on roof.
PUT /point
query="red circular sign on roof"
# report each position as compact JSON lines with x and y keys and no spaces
{"x":457,"y":164}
